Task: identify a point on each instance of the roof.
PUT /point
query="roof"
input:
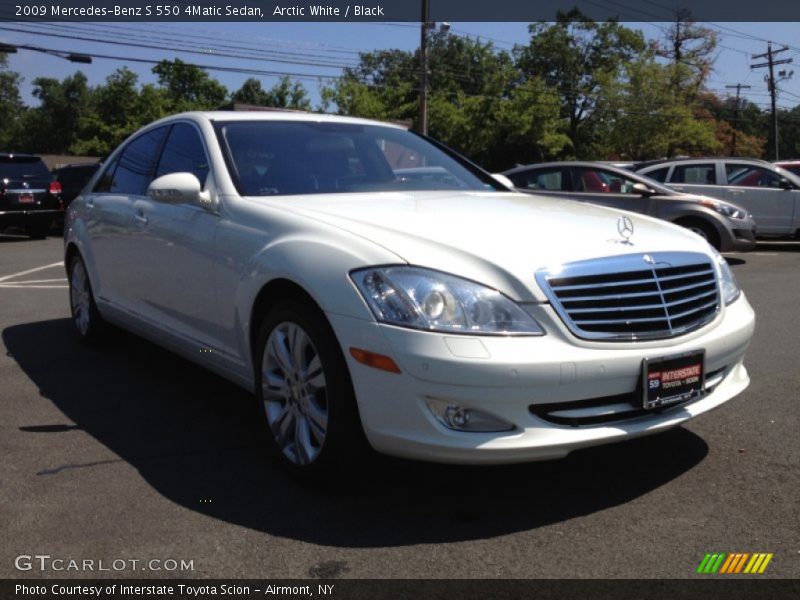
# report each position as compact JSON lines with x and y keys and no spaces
{"x":666,"y":161}
{"x":274,"y":115}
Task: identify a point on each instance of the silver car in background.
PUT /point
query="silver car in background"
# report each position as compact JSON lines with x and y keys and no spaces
{"x":725,"y":226}
{"x":768,"y":192}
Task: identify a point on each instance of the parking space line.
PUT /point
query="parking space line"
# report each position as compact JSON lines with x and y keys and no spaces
{"x":34,"y":270}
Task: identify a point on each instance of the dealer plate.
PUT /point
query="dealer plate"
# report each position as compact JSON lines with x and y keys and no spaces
{"x":26,"y":198}
{"x":673,"y":379}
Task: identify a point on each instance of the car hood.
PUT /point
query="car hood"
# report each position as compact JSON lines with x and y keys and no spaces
{"x":498,"y":239}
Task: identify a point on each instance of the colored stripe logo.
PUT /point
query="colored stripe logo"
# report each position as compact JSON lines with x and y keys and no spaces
{"x":734,"y":563}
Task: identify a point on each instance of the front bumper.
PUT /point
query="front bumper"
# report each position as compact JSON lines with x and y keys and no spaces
{"x":26,"y":217}
{"x":509,"y":377}
{"x":742,"y":239}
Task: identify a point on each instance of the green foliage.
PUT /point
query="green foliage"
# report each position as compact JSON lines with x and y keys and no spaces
{"x":576,"y":57}
{"x":283,"y":94}
{"x":188,"y":87}
{"x":11,"y":106}
{"x":644,"y":117}
{"x":53,"y":126}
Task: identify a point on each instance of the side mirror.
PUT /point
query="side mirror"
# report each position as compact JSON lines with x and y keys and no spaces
{"x":643,"y":189}
{"x":500,"y":178}
{"x":178,"y":188}
{"x":785,"y":184}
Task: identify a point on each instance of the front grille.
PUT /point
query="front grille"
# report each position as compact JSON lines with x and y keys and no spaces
{"x":638,"y":296}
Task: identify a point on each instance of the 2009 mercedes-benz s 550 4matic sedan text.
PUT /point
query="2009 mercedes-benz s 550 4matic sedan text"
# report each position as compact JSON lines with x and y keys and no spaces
{"x":442,"y":318}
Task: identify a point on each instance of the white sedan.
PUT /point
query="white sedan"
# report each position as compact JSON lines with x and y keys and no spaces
{"x":440,"y":318}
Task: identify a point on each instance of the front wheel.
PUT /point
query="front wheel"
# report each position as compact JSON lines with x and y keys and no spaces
{"x":703,"y":229}
{"x":305,"y":397}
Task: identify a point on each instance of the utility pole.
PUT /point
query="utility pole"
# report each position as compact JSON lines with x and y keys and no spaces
{"x":771,"y":62}
{"x":739,"y":87}
{"x":423,"y":75}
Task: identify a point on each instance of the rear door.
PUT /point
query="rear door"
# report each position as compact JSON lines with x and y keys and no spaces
{"x":608,"y":188}
{"x":114,"y":231}
{"x":758,"y":190}
{"x":175,"y":258}
{"x":697,"y":177}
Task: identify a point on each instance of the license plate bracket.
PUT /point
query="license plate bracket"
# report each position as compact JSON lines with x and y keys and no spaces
{"x":671,"y":379}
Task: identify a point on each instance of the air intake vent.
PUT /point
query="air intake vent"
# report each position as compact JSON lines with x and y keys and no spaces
{"x":633,"y":297}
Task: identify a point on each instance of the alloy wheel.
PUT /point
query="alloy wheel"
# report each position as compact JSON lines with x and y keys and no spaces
{"x":294,"y":392}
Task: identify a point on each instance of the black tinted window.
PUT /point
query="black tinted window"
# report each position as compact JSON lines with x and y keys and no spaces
{"x":137,"y":164}
{"x":23,"y":169}
{"x":184,"y":152}
{"x":103,"y":184}
{"x":658,"y":174}
{"x":552,"y":179}
{"x":305,"y":157}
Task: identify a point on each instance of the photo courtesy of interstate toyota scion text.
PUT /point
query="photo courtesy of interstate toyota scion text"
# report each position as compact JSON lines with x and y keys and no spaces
{"x":373,"y":289}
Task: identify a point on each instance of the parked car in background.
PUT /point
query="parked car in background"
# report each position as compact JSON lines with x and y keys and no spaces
{"x":28,"y":196}
{"x":723,"y":225}
{"x":73,"y":178}
{"x":443,"y":318}
{"x":768,"y":192}
{"x":793,"y":166}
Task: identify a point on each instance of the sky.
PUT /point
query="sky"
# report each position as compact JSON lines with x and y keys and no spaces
{"x":327,"y":46}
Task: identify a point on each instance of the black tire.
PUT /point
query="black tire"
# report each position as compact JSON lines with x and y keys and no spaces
{"x":85,"y":317}
{"x":38,"y":230}
{"x":703,"y":229}
{"x":300,"y":399}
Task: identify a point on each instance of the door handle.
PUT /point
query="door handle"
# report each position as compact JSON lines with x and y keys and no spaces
{"x":140,"y":218}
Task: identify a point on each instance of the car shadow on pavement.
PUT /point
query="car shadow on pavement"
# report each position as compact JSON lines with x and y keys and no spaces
{"x":191,"y":436}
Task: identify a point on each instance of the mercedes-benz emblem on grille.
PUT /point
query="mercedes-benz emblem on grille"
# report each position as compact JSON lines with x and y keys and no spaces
{"x":625,"y":228}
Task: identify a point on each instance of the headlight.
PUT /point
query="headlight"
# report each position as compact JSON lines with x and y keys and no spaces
{"x":730,"y":289}
{"x":424,"y":299}
{"x":727,"y":210}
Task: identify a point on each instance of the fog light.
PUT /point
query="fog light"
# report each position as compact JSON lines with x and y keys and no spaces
{"x":460,"y":418}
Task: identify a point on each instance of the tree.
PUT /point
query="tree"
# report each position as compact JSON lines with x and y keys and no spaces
{"x":118,"y":109}
{"x":576,"y":56}
{"x":11,"y":106}
{"x":53,"y":126}
{"x":643,"y":117}
{"x":690,"y":48}
{"x":188,"y":87}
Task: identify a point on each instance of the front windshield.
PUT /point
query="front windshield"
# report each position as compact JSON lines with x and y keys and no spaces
{"x":269,"y":158}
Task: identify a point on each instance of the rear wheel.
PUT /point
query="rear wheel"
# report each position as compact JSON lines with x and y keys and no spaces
{"x":305,"y":397}
{"x":85,"y":316}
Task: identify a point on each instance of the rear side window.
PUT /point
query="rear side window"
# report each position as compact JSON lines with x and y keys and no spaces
{"x":703,"y":174}
{"x":184,"y":153}
{"x":541,"y":179}
{"x":751,"y":176}
{"x":137,"y":164}
{"x":658,"y":174}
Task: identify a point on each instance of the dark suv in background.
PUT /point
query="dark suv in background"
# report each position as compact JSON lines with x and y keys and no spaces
{"x":28,"y":196}
{"x":73,"y":178}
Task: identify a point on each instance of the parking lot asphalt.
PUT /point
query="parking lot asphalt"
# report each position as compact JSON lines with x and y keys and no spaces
{"x":127,"y":452}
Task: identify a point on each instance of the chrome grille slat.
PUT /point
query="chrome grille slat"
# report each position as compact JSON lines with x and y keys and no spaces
{"x":635,"y":296}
